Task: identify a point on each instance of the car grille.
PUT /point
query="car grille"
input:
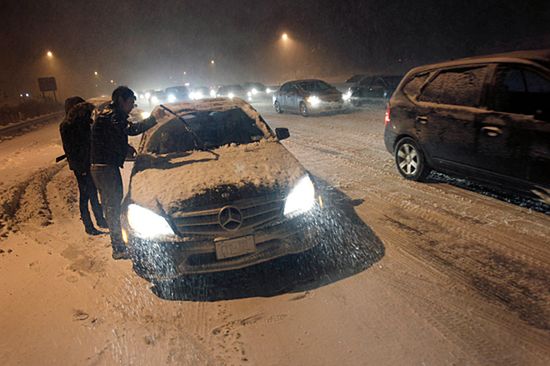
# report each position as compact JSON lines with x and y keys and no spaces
{"x":256,"y":213}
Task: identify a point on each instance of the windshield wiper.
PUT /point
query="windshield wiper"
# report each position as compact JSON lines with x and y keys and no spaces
{"x":196,"y":139}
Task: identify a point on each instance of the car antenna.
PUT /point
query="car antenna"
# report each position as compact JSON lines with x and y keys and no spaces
{"x":196,"y":139}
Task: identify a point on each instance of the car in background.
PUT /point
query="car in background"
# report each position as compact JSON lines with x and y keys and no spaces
{"x":231,"y":91}
{"x":255,"y":91}
{"x":189,"y":210}
{"x":370,"y":88}
{"x":307,"y":97}
{"x":486,"y":118}
{"x":177,"y":94}
{"x":200,"y":92}
{"x":158,"y":97}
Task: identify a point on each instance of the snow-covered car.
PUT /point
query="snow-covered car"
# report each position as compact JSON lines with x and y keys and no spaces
{"x":213,"y":189}
{"x":307,"y":97}
{"x":177,"y":94}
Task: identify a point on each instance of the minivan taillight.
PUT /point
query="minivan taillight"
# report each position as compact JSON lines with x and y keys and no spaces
{"x":387,"y":118}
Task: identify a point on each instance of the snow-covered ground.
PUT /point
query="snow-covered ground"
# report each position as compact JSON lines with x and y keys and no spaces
{"x":440,"y":273}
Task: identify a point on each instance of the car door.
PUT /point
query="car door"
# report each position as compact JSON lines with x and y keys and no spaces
{"x":282,"y":95}
{"x":294,"y":97}
{"x":514,"y":138}
{"x":450,"y":103}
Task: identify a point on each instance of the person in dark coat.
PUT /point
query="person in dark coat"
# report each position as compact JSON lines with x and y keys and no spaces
{"x":75,"y":133}
{"x":110,"y":147}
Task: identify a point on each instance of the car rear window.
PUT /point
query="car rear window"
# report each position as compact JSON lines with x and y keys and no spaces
{"x":456,"y":87}
{"x":412,"y":88}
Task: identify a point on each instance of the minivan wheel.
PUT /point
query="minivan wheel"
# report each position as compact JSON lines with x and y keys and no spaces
{"x":303,"y":109}
{"x":277,"y":107}
{"x":410,"y":160}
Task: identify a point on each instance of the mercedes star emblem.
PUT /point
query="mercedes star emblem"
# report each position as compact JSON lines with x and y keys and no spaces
{"x":230,"y":218}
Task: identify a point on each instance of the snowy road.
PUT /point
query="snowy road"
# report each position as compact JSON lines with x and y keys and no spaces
{"x":436,"y":273}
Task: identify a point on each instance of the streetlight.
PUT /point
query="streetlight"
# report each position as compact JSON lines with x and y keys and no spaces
{"x":284,"y":37}
{"x":212,"y":62}
{"x":49,"y":54}
{"x":95,"y":73}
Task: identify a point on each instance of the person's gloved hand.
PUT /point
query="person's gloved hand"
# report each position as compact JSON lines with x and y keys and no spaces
{"x":158,"y":113}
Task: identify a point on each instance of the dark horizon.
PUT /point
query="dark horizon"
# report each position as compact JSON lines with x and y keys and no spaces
{"x":151,"y":44}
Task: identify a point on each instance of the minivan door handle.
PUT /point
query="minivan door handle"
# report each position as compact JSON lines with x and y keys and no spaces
{"x":492,"y":131}
{"x":422,"y":120}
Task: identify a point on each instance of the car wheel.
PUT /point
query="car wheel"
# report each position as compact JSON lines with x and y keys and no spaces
{"x":277,"y":107}
{"x":303,"y":109}
{"x":410,"y":160}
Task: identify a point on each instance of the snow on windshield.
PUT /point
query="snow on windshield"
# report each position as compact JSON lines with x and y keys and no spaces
{"x":214,"y":129}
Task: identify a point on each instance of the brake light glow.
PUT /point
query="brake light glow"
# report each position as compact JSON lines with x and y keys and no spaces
{"x":387,"y":118}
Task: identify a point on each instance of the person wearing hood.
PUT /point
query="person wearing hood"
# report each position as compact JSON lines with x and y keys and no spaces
{"x":75,"y":133}
{"x":110,"y":147}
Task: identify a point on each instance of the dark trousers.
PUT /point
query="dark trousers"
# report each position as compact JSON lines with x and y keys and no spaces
{"x":109,"y":183}
{"x":88,"y":193}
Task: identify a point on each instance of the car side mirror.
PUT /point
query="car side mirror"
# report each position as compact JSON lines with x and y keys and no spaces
{"x":282,"y":133}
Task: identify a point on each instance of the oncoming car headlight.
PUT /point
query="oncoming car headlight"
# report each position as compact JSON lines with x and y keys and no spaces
{"x":301,"y":198}
{"x":231,"y":95}
{"x":314,"y":100}
{"x":171,"y":98}
{"x":154,"y":99}
{"x":346,"y":96}
{"x":146,"y":224}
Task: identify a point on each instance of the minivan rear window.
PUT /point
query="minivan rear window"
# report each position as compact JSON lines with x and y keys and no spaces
{"x":456,"y":87}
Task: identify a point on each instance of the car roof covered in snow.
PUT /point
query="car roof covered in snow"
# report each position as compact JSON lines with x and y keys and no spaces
{"x":534,"y":56}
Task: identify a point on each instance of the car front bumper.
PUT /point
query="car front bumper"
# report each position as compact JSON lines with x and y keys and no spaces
{"x":195,"y":255}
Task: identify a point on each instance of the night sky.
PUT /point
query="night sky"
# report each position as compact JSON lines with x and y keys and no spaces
{"x":151,"y":43}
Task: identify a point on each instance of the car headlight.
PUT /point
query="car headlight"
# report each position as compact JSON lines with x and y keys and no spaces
{"x":230,"y":95}
{"x":314,"y":101}
{"x":172,"y":98}
{"x":147,"y":95}
{"x":249,"y":94}
{"x":346,"y":96}
{"x":145,"y":115}
{"x":254,"y":91}
{"x":212,"y":93}
{"x":268,"y":90}
{"x":301,"y":199}
{"x":154,"y":99}
{"x":146,"y":224}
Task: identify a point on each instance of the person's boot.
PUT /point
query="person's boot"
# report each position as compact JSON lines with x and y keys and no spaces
{"x":120,"y":252}
{"x":89,"y":227}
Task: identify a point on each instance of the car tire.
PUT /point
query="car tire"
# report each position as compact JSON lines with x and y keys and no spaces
{"x":277,"y":107}
{"x":303,"y":110}
{"x":410,"y":160}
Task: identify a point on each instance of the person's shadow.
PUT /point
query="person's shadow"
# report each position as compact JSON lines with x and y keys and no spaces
{"x":345,"y":246}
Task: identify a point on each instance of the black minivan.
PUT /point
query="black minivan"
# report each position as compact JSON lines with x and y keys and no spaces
{"x":485,"y":118}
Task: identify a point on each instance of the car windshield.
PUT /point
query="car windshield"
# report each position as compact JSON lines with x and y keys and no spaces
{"x":214,"y":129}
{"x":314,"y":85}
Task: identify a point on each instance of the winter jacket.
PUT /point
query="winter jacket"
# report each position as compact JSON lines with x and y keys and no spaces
{"x":110,"y":133}
{"x":75,"y":136}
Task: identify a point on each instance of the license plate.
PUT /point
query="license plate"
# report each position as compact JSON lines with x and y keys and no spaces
{"x":235,"y":247}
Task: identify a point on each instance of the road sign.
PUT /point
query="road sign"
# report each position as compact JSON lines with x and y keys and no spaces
{"x":47,"y":84}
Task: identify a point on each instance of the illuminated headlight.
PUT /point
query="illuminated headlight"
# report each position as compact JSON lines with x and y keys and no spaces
{"x":314,"y":101}
{"x":231,"y":95}
{"x":146,"y":224}
{"x":269,"y":91}
{"x":301,"y":199}
{"x":147,"y":95}
{"x":145,"y":115}
{"x":254,"y":91}
{"x":199,"y":95}
{"x":249,"y":95}
{"x":141,"y":96}
{"x":346,"y":96}
{"x":212,"y":93}
{"x":172,"y":98}
{"x":154,"y":99}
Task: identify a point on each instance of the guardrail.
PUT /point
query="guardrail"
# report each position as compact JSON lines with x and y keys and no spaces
{"x":16,"y":127}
